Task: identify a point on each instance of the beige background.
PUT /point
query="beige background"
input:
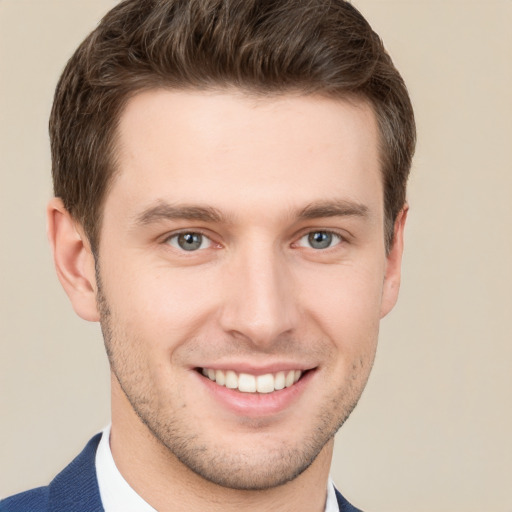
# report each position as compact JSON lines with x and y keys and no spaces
{"x":434,"y":429}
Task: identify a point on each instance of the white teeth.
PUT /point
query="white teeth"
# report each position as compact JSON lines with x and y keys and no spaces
{"x":279,"y":381}
{"x":265,"y":383}
{"x":231,"y":379}
{"x":220,"y":377}
{"x":290,"y":379}
{"x":247,"y":383}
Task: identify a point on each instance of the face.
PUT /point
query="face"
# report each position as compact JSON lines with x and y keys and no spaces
{"x":243,"y":275}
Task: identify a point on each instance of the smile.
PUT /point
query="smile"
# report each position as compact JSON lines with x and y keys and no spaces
{"x":247,"y":383}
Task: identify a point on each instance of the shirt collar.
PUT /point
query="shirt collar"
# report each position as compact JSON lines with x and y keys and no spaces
{"x":116,"y":493}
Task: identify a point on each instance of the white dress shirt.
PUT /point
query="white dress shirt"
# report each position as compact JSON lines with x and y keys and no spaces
{"x":117,"y":495}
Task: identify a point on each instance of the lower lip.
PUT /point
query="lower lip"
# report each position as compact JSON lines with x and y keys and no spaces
{"x":257,"y":404}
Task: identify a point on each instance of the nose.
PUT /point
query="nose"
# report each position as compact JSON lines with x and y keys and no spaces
{"x":259,"y":298}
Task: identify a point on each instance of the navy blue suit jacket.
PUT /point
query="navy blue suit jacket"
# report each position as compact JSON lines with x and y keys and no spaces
{"x":75,"y":489}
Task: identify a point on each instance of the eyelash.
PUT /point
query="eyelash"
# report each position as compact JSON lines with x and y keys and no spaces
{"x":335,"y":236}
{"x":175,"y":236}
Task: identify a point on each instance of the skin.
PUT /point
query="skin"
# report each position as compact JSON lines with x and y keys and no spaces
{"x":256,"y":294}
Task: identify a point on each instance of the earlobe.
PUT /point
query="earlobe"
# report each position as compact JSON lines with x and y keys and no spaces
{"x":73,"y":259}
{"x":394,"y":264}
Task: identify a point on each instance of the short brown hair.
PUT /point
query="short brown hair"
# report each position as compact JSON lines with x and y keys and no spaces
{"x":262,"y":46}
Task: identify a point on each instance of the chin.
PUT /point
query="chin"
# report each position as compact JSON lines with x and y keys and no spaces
{"x":251,"y":470}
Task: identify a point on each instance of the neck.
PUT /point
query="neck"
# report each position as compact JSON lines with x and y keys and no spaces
{"x":170,"y":486}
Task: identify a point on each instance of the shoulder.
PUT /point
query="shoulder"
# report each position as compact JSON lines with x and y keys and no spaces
{"x":344,"y":505}
{"x":73,"y":489}
{"x":35,"y":500}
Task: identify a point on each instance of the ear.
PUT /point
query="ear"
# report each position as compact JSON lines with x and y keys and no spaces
{"x":73,"y":260}
{"x":394,"y":265}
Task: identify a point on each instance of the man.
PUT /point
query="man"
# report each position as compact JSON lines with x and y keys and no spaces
{"x":230,"y":203}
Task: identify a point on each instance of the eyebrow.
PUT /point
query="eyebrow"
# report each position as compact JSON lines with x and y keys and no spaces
{"x":336,"y":208}
{"x":165,"y":211}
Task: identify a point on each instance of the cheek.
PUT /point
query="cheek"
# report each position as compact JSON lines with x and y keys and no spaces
{"x":161,"y":304}
{"x":346,"y":304}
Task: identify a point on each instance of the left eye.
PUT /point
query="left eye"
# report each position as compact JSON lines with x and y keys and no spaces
{"x":189,"y":241}
{"x":320,"y":240}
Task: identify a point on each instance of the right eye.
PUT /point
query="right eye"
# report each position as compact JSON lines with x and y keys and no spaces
{"x":189,"y":241}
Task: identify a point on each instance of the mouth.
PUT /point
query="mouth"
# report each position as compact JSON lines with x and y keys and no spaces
{"x":249,"y":383}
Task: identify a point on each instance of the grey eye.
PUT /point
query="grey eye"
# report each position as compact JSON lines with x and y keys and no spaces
{"x":189,"y":241}
{"x":319,"y":240}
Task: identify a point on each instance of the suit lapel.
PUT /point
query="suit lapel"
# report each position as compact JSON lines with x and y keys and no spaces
{"x":75,"y":489}
{"x":344,"y":505}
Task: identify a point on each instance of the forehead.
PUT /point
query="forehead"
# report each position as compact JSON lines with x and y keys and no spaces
{"x":235,"y":151}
